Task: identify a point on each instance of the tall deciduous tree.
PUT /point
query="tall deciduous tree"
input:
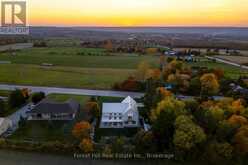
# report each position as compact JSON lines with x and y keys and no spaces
{"x":241,"y":140}
{"x":209,"y":84}
{"x":143,"y":71}
{"x":187,"y":135}
{"x":16,"y":98}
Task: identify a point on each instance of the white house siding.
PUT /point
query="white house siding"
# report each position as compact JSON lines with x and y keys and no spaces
{"x":120,"y":115}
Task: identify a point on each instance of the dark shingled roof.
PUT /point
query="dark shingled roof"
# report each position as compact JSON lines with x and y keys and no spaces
{"x":52,"y":107}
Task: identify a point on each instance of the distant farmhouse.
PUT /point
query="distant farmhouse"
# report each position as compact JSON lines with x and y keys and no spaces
{"x":51,"y":110}
{"x":120,"y":115}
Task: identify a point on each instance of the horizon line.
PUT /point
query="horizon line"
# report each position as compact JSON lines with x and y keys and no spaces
{"x":180,"y":26}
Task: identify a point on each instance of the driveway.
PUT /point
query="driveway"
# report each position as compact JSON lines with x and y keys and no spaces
{"x":15,"y":117}
{"x":73,"y":91}
{"x":227,"y":62}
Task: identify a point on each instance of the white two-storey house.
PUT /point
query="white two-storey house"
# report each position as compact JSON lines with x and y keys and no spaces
{"x":120,"y":115}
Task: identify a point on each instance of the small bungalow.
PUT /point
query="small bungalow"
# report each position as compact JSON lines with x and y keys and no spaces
{"x":51,"y":110}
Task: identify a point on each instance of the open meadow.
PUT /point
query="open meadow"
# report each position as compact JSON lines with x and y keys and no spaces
{"x":77,"y":57}
{"x":99,"y":78}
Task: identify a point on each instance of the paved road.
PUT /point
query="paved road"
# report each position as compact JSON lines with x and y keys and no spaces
{"x":227,"y":62}
{"x":49,"y":90}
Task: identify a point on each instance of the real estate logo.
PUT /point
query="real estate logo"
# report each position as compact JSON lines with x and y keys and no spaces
{"x":14,"y":18}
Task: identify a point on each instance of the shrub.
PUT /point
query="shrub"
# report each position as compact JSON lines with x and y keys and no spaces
{"x":16,"y":98}
{"x":37,"y":97}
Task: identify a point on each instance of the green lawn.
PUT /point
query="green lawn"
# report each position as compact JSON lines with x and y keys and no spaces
{"x":62,"y":98}
{"x":7,"y":110}
{"x":230,"y":71}
{"x":77,"y":57}
{"x":62,"y":76}
{"x":44,"y":131}
{"x":4,"y":93}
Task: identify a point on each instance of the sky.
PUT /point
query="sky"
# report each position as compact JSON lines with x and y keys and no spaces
{"x":138,"y":12}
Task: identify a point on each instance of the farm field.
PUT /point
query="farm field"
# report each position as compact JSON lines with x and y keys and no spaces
{"x":93,"y":78}
{"x":230,"y":71}
{"x":237,"y":59}
{"x":77,"y":57}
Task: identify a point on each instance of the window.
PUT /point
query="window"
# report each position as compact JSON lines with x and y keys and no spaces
{"x":120,"y":117}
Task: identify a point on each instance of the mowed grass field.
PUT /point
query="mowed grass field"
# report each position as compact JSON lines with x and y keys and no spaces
{"x":65,"y":97}
{"x":77,"y":57}
{"x":237,"y":59}
{"x":94,"y":78}
{"x":230,"y":71}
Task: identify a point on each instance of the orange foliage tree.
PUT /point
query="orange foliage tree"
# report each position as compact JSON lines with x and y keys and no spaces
{"x":81,"y":130}
{"x":241,"y":140}
{"x":237,"y":120}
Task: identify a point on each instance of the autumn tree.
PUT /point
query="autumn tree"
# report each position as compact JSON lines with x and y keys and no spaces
{"x":143,"y":71}
{"x":81,"y":130}
{"x":86,"y":145}
{"x":163,"y":93}
{"x":219,"y":152}
{"x":241,"y":140}
{"x":219,"y":73}
{"x":209,"y":84}
{"x":154,"y":74}
{"x":187,"y":134}
{"x":108,"y":45}
{"x":163,"y":118}
{"x":93,"y":108}
{"x":144,"y":142}
{"x":237,"y":107}
{"x":16,"y":98}
{"x":169,"y":103}
{"x":238,"y":120}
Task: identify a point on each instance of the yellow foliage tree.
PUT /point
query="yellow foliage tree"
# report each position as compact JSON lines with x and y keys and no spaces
{"x":143,"y":71}
{"x":209,"y":84}
{"x":86,"y":145}
{"x":168,"y":103}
